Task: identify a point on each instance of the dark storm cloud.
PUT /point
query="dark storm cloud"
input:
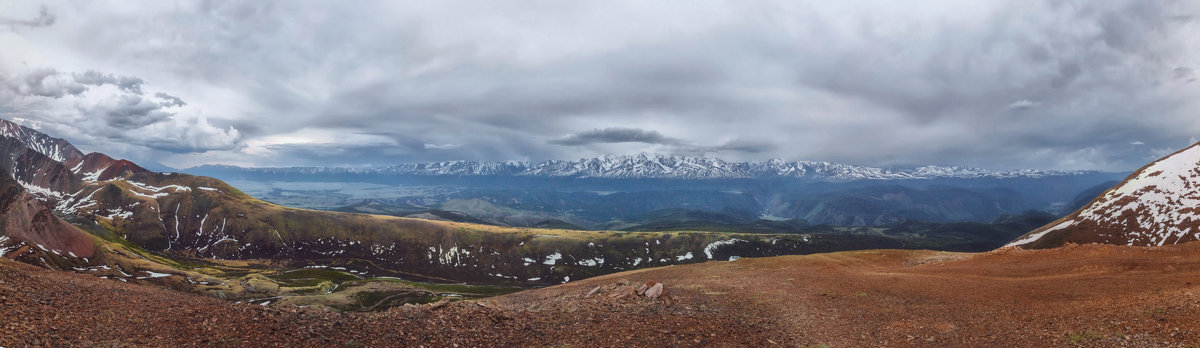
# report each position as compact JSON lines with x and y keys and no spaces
{"x":1185,"y":74}
{"x":169,"y":100}
{"x":1042,"y":84}
{"x":64,"y":104}
{"x":615,"y":135}
{"x":40,"y":83}
{"x":44,"y":18}
{"x":377,"y":152}
{"x":125,"y":83}
{"x":1022,"y":104}
{"x":744,"y":146}
{"x":612,"y":135}
{"x":127,"y":112}
{"x":735,"y":147}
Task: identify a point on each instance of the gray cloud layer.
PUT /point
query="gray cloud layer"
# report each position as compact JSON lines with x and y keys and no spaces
{"x":615,"y":135}
{"x":125,"y":83}
{"x":64,"y":103}
{"x":1041,"y":84}
{"x":44,"y":18}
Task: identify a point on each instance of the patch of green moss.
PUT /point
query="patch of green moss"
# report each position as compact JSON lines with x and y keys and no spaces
{"x":1080,"y":338}
{"x":379,"y":300}
{"x":460,"y":289}
{"x":311,"y":277}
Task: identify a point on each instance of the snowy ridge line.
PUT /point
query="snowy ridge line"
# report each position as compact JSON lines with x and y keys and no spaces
{"x":666,"y":166}
{"x":54,"y":148}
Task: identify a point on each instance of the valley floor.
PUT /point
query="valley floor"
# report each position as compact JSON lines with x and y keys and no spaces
{"x":1089,"y":295}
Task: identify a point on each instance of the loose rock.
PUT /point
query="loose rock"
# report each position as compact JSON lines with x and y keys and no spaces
{"x":655,"y":291}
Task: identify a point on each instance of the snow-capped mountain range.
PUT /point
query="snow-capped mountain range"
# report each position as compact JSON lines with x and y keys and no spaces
{"x":1157,"y":205}
{"x":663,"y":167}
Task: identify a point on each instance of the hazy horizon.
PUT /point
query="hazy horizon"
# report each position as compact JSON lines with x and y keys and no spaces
{"x":601,"y":156}
{"x":995,"y":84}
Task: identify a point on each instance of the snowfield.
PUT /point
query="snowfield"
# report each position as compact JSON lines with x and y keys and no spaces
{"x":1158,"y":205}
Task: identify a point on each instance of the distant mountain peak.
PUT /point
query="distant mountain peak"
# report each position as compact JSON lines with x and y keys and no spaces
{"x":55,"y":148}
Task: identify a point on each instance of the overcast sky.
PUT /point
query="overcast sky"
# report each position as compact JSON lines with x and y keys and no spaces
{"x":1105,"y":85}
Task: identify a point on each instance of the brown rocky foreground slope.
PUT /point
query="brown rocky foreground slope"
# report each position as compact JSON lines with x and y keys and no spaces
{"x":1091,"y":295}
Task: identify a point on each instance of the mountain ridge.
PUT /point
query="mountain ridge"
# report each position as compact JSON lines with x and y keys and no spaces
{"x":56,"y":148}
{"x":659,"y":166}
{"x":1158,"y":204}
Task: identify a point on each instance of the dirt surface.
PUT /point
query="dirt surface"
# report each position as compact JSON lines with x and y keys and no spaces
{"x":1093,"y":295}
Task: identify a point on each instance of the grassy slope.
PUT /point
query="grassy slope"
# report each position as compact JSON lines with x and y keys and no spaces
{"x":237,"y":246}
{"x":227,"y":224}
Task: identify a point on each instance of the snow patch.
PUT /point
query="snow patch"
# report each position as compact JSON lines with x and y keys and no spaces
{"x":94,"y":176}
{"x":152,"y":274}
{"x":1033,"y":237}
{"x":593,"y":262}
{"x":41,"y":192}
{"x":553,"y":258}
{"x":120,"y":214}
{"x":4,"y":250}
{"x":712,"y":247}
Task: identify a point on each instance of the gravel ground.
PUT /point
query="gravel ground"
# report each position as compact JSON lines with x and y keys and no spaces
{"x":1093,"y":295}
